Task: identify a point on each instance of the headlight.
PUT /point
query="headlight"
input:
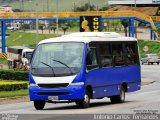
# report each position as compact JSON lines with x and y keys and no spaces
{"x":77,"y":83}
{"x":33,"y":84}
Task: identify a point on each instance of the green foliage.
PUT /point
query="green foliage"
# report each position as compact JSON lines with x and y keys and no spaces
{"x":41,"y":27}
{"x":63,"y":5}
{"x":125,"y":24}
{"x":23,"y":38}
{"x":12,"y":85}
{"x":14,"y":75}
{"x":5,"y":94}
{"x":64,"y":28}
{"x":3,"y":61}
{"x":154,"y":47}
{"x":86,"y":7}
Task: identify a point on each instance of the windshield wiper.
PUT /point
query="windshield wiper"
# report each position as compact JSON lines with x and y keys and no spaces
{"x":49,"y":66}
{"x":64,"y":65}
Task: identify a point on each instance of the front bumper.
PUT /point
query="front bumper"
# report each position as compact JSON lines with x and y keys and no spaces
{"x":67,"y":93}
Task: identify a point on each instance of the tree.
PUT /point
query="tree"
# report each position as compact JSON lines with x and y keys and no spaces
{"x":86,"y":7}
{"x":64,"y":28}
{"x":53,"y":28}
{"x":125,"y":24}
{"x":41,"y":27}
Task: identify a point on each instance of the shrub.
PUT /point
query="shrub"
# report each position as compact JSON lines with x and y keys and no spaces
{"x":13,"y":75}
{"x":13,"y":85}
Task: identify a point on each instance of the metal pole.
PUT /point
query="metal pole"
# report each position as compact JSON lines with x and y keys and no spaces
{"x":57,"y":27}
{"x":43,"y":5}
{"x":36,"y":22}
{"x":89,"y":5}
{"x":135,"y":5}
{"x":47,"y":6}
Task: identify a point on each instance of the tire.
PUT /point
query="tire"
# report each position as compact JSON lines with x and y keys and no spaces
{"x":85,"y":103}
{"x":157,"y":63}
{"x":39,"y":104}
{"x":119,"y":98}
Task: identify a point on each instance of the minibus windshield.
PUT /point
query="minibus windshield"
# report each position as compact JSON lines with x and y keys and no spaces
{"x":57,"y":59}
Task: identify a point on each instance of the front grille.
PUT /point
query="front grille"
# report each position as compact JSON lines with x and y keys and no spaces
{"x":58,"y":85}
{"x":52,"y":93}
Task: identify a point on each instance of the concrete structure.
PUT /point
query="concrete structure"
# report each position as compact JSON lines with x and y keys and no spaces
{"x":132,"y":2}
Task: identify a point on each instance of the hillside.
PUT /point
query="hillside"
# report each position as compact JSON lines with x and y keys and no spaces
{"x":146,"y":10}
{"x":23,"y":38}
{"x":50,"y":5}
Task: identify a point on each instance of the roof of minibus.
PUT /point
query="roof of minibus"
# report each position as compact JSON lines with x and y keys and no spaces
{"x":87,"y":37}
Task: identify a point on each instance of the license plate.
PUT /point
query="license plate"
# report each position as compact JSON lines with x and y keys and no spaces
{"x":52,"y":97}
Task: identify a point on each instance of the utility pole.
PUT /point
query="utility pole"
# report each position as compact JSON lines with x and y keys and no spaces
{"x":47,"y":6}
{"x":57,"y":27}
{"x":43,"y":5}
{"x":89,"y":5}
{"x":36,"y":22}
{"x":135,"y":5}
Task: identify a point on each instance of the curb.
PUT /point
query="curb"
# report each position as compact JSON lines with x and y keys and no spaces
{"x":17,"y":99}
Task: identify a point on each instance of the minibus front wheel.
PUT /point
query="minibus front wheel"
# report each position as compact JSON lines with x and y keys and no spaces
{"x":85,"y":103}
{"x":39,"y":104}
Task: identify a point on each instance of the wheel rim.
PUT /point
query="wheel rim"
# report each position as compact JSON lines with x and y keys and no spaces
{"x":86,"y":98}
{"x":122,"y":95}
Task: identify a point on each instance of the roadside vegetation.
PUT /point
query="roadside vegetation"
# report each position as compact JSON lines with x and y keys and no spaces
{"x":29,"y":39}
{"x":3,"y":61}
{"x":13,"y":83}
{"x":26,"y":39}
{"x":154,"y":47}
{"x":8,"y":94}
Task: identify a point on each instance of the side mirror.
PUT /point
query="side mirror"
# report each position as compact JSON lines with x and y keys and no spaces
{"x":24,"y":55}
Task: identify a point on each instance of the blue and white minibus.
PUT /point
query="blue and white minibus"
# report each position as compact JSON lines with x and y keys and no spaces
{"x":84,"y":66}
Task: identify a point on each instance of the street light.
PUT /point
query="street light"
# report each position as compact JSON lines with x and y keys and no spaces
{"x":36,"y":22}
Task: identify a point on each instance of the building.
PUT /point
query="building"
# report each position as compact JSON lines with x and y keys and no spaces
{"x":6,"y":8}
{"x":150,"y":3}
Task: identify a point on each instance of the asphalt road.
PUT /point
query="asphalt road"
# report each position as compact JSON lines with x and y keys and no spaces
{"x":148,"y":98}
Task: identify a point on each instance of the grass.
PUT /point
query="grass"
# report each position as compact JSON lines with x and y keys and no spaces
{"x":63,"y":5}
{"x":5,"y":94}
{"x":154,"y":47}
{"x":3,"y":61}
{"x":24,"y":38}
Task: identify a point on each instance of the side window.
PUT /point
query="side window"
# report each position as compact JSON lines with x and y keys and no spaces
{"x":91,"y":59}
{"x":132,"y":54}
{"x":105,"y":55}
{"x":118,"y":54}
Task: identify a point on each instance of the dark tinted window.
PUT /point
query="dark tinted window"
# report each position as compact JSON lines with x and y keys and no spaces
{"x":105,"y":54}
{"x":91,"y":60}
{"x":131,"y":53}
{"x":118,"y":54}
